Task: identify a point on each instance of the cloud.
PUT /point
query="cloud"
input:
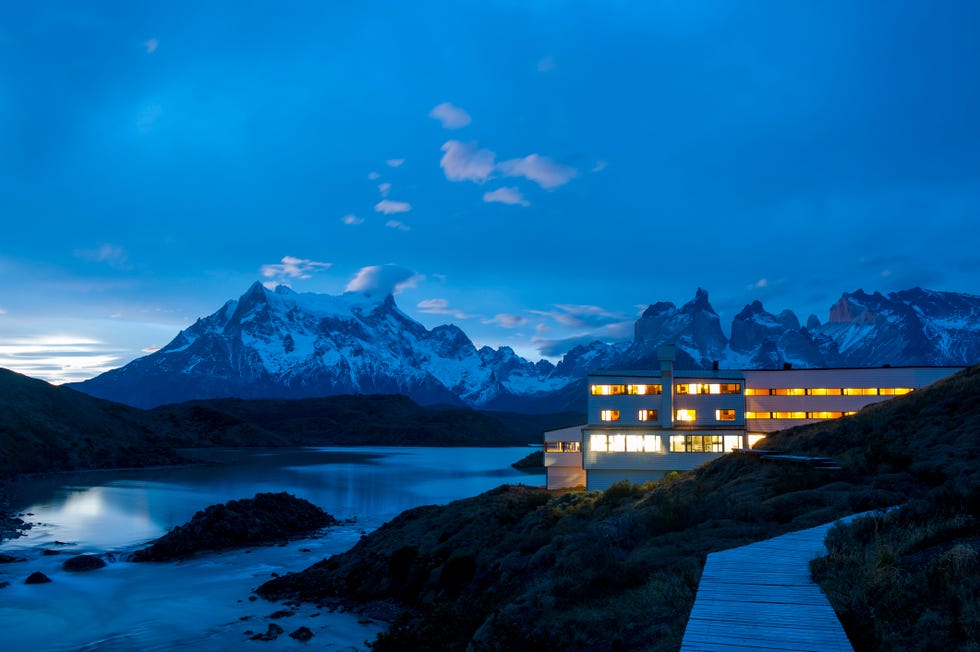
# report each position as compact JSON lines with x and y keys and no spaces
{"x":151,"y":45}
{"x":451,"y":117}
{"x":441,"y":307}
{"x":57,"y":358}
{"x":395,"y":224}
{"x":373,"y":176}
{"x":507,"y":321}
{"x":466,"y":161}
{"x":581,"y":316}
{"x":352,"y":219}
{"x":389,"y":207}
{"x":291,"y":268}
{"x":615,"y":332}
{"x":542,"y":170}
{"x":761,"y":283}
{"x":506,"y":195}
{"x":110,"y":254}
{"x":382,"y":280}
{"x":2,"y":311}
{"x":600,"y":166}
{"x":546,"y":64}
{"x":395,"y":162}
{"x":384,"y":188}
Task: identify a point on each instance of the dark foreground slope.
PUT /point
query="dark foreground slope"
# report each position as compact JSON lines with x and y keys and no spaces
{"x":521,"y":568}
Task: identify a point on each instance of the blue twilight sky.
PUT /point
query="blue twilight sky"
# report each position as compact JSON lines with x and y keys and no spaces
{"x":533,"y":171}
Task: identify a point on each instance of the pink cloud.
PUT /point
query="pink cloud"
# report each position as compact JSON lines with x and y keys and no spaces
{"x":389,"y":207}
{"x":542,"y":170}
{"x":451,"y":117}
{"x":466,"y":162}
{"x":506,"y":195}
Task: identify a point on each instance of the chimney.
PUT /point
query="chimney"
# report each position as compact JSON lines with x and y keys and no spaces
{"x":714,"y":365}
{"x":666,"y":355}
{"x":787,"y":366}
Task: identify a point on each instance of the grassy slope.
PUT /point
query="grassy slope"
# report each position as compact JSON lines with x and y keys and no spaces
{"x":520,"y":568}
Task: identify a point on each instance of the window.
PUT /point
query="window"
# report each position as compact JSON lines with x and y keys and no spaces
{"x":724,"y":415}
{"x":609,"y":415}
{"x":894,"y":391}
{"x":709,"y":388}
{"x":704,"y":443}
{"x":643,"y":390}
{"x":608,"y":390}
{"x":789,"y":391}
{"x":824,"y":391}
{"x":860,"y":391}
{"x":789,"y":415}
{"x":647,"y":415}
{"x":617,"y":443}
{"x":687,"y":415}
{"x":756,"y":391}
{"x":757,"y":415}
{"x":562,"y":447}
{"x":598,"y":443}
{"x":622,"y":443}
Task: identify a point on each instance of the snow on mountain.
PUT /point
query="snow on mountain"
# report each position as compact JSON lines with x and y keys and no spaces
{"x":280,"y":344}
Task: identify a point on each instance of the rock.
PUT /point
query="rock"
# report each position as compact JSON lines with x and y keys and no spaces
{"x":8,"y":559}
{"x":266,"y":518}
{"x":37,"y":577}
{"x":4,"y":585}
{"x":302,"y":634}
{"x":282,"y":613}
{"x":51,"y":553}
{"x":271,"y":633}
{"x":80,"y":563}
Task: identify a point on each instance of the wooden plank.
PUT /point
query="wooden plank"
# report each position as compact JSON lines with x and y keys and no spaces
{"x":760,"y":598}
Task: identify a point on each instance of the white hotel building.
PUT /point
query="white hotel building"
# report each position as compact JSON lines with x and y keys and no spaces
{"x":643,"y":425}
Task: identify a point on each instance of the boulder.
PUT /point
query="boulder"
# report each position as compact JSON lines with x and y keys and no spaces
{"x":302,"y":634}
{"x":266,"y":518}
{"x":271,"y":633}
{"x":8,"y":559}
{"x":81,"y":563}
{"x":37,"y":577}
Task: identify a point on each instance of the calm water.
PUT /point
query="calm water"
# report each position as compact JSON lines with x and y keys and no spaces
{"x":203,"y":602}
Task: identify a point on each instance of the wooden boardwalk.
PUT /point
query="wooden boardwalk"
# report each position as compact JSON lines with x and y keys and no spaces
{"x":760,"y":598}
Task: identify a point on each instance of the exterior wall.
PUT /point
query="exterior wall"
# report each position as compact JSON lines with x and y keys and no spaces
{"x":883,"y":378}
{"x":564,"y":470}
{"x":600,"y":480}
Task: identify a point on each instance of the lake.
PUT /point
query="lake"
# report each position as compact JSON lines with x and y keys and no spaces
{"x":204,"y":601}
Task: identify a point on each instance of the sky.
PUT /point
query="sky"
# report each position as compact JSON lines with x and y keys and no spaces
{"x":536,"y":172}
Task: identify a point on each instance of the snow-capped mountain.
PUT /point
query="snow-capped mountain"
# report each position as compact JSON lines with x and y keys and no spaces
{"x":280,"y":344}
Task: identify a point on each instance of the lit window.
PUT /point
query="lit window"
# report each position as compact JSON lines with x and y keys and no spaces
{"x":824,"y":391}
{"x":894,"y":391}
{"x":687,"y":415}
{"x":552,"y":447}
{"x":849,"y":414}
{"x":860,"y":391}
{"x":732,"y":442}
{"x":643,"y":390}
{"x":597,"y":443}
{"x":609,"y":415}
{"x":789,"y":415}
{"x":709,"y":388}
{"x":647,"y":415}
{"x":729,"y":388}
{"x":757,"y":415}
{"x":651,"y":443}
{"x":617,"y":443}
{"x":608,"y":390}
{"x":571,"y":447}
{"x":724,"y":415}
{"x":685,"y":388}
{"x":789,"y":391}
{"x":755,"y":439}
{"x":824,"y":415}
{"x":756,"y":391}
{"x":634,"y":443}
{"x":677,"y":444}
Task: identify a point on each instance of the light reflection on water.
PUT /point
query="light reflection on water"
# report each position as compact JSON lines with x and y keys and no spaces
{"x":200,"y":602}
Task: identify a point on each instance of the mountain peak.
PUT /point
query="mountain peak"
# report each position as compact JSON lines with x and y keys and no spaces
{"x":699,"y":303}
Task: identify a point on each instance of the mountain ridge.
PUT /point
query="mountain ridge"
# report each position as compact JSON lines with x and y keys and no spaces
{"x":276,"y":344}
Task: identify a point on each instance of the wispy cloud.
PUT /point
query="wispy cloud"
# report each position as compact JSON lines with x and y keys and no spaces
{"x":373,"y":176}
{"x":395,"y":162}
{"x":466,"y":161}
{"x":151,"y":45}
{"x":352,"y":219}
{"x":57,"y":358}
{"x":110,"y":254}
{"x":291,"y":268}
{"x":761,"y":283}
{"x":2,"y":311}
{"x":382,"y":280}
{"x":506,"y":195}
{"x":451,"y":117}
{"x":580,"y":316}
{"x":600,"y":166}
{"x":389,"y":207}
{"x":542,"y":170}
{"x":384,"y":188}
{"x":441,"y":307}
{"x":395,"y":224}
{"x":507,"y":320}
{"x":546,"y":64}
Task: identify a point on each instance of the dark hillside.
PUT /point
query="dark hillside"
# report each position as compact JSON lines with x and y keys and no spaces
{"x":522,"y":568}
